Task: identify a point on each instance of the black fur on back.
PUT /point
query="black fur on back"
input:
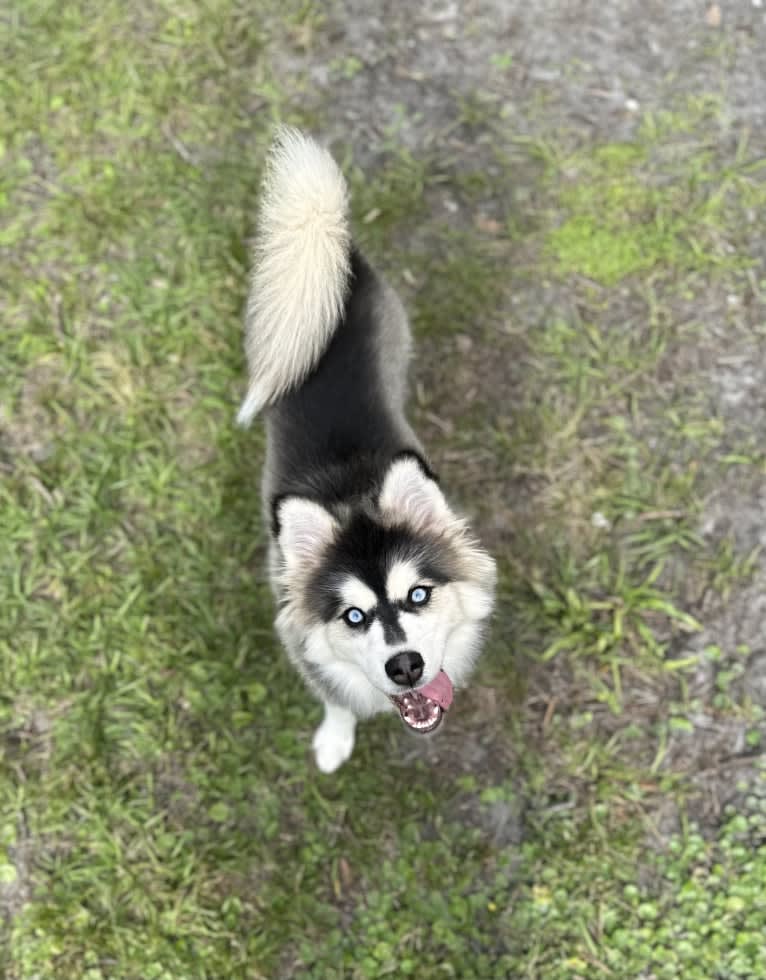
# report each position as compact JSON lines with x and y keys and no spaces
{"x":333,"y":436}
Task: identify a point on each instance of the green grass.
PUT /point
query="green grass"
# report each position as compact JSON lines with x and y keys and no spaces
{"x":160,"y":815}
{"x":698,"y":913}
{"x":637,"y":208}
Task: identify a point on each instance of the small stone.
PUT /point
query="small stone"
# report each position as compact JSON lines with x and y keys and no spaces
{"x":713,"y":15}
{"x":487,"y":224}
{"x":600,"y":521}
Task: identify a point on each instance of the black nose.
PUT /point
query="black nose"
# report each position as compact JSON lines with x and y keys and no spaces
{"x":405,"y":668}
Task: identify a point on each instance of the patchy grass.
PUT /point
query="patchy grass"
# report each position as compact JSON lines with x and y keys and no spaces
{"x":637,"y":208}
{"x":696,"y":910}
{"x":160,"y":815}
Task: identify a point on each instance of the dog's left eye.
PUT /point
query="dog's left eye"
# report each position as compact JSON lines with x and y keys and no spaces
{"x":420,"y":595}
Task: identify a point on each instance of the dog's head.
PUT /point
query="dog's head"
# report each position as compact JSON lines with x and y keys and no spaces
{"x":387,"y":600}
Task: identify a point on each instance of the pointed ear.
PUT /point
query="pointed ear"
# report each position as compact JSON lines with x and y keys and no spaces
{"x":304,"y":529}
{"x":410,"y":496}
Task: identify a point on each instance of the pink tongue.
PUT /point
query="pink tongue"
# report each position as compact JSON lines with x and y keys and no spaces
{"x":439,"y":690}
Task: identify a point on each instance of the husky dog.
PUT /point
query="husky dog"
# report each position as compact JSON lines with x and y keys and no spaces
{"x":382,"y":591}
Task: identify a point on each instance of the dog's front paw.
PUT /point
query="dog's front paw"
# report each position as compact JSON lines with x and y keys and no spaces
{"x":333,"y":743}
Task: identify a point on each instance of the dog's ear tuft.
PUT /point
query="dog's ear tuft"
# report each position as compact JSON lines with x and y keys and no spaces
{"x":304,"y":529}
{"x":410,"y":495}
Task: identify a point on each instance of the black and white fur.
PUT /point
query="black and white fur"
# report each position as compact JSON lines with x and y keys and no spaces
{"x":357,"y":518}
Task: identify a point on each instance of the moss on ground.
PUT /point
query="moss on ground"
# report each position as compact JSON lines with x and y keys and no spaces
{"x":632,"y":208}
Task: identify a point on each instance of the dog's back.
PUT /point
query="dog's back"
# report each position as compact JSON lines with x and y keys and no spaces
{"x":327,"y":339}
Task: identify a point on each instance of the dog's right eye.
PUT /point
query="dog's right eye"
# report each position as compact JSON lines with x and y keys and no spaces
{"x":354,"y":616}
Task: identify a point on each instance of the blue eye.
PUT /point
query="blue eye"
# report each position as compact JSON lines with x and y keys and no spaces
{"x":354,"y":616}
{"x":420,"y":595}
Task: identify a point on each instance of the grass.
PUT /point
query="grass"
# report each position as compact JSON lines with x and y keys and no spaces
{"x":611,"y":924}
{"x":636,"y":208}
{"x":159,"y":813}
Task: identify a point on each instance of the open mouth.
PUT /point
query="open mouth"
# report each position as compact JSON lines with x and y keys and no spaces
{"x":422,"y":709}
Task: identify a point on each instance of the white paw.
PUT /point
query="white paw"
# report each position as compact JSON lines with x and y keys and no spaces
{"x":333,"y":744}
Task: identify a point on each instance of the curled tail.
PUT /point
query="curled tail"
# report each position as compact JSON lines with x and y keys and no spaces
{"x":301,"y":269}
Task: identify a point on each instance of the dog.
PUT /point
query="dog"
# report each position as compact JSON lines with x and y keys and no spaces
{"x":382,"y":591}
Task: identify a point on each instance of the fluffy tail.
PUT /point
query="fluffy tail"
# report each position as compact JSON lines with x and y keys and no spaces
{"x":301,"y":269}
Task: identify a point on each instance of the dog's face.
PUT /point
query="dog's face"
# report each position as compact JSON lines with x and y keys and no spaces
{"x":388,"y":603}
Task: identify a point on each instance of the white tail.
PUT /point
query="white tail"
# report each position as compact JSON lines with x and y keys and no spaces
{"x":301,"y":266}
